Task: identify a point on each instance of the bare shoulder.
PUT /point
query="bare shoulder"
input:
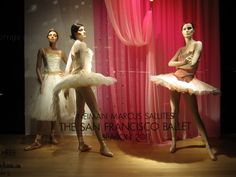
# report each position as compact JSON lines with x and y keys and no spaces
{"x":198,"y":43}
{"x":180,"y":49}
{"x":41,"y":51}
{"x":80,"y":43}
{"x":62,"y":53}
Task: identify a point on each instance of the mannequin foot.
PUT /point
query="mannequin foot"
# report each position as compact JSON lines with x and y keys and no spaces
{"x":53,"y":140}
{"x":53,"y":137}
{"x":211,"y":153}
{"x":213,"y":150}
{"x":84,"y":148}
{"x":173,"y":148}
{"x":35,"y":145}
{"x":106,"y":152}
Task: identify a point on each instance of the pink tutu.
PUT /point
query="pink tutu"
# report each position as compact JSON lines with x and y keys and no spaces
{"x":194,"y":86}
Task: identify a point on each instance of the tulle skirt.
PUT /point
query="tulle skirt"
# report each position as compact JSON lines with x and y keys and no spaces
{"x":83,"y":79}
{"x":195,"y":86}
{"x":80,"y":79}
{"x":41,"y":106}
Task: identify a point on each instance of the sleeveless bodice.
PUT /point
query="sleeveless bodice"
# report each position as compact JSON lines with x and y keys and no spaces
{"x":185,"y":74}
{"x":52,"y":63}
{"x":82,"y":59}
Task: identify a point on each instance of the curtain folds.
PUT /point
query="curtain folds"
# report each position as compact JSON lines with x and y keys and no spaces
{"x":132,"y":24}
{"x":135,"y":39}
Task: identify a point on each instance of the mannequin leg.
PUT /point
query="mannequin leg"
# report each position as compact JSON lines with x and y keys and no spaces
{"x":174,"y":105}
{"x":38,"y":139}
{"x":80,"y":103}
{"x":53,"y":131}
{"x":191,"y":101}
{"x":90,"y":100}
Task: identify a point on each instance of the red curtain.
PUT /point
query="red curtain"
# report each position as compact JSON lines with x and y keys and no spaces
{"x":129,"y":50}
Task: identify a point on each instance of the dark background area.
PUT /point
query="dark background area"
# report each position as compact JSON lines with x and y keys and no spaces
{"x":12,"y":67}
{"x":228,"y":67}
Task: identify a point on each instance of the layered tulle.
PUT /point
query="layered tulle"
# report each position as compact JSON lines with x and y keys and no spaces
{"x":83,"y":79}
{"x":195,"y":86}
{"x":40,"y":108}
{"x":80,"y":79}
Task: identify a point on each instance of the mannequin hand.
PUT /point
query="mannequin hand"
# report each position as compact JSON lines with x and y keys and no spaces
{"x":61,"y":74}
{"x":66,"y":93}
{"x":188,"y":59}
{"x":41,"y":89}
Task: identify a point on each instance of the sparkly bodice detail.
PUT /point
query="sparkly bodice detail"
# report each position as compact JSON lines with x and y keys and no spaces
{"x":82,"y":60}
{"x":52,"y":63}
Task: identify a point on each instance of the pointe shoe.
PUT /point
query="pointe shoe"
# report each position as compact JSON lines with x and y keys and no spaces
{"x":173,"y":148}
{"x":213,"y":157}
{"x":211,"y":153}
{"x":106,"y":152}
{"x":35,"y":145}
{"x":53,"y":140}
{"x":84,"y":148}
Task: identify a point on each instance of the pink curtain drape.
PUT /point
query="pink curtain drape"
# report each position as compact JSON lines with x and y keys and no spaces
{"x":131,"y":20}
{"x":134,"y":108}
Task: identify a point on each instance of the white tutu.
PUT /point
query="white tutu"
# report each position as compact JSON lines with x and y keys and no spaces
{"x":80,"y":65}
{"x":40,"y":108}
{"x":80,"y":79}
{"x":83,"y":79}
{"x":195,"y":86}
